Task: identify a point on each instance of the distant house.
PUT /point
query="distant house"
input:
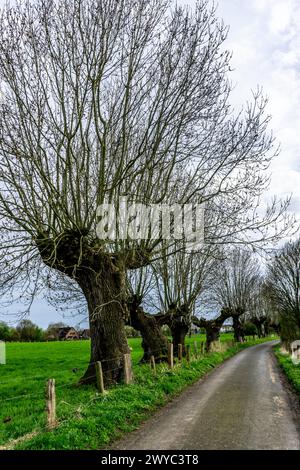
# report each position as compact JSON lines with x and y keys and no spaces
{"x":194,"y":330}
{"x":84,"y":334}
{"x":226,"y":328}
{"x":67,"y":333}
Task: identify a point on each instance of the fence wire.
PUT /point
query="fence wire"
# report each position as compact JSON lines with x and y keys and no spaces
{"x":195,"y":353}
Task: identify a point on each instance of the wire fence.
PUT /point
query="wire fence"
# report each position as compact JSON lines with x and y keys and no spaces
{"x":185,"y":356}
{"x":195,"y":352}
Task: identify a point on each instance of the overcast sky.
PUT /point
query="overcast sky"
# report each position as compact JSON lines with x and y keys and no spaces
{"x":265,"y":40}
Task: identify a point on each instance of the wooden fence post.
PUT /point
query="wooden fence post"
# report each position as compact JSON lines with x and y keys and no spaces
{"x":202,"y":347}
{"x":188,"y":354}
{"x":170,"y":355}
{"x":51,"y":404}
{"x":99,"y":375}
{"x":180,"y":352}
{"x":128,"y":376}
{"x":152,"y":364}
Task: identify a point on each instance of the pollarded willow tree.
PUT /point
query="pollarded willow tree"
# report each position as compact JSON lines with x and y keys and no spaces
{"x":169,"y":290}
{"x":261,"y":312}
{"x":212,"y":326}
{"x":283,"y":289}
{"x":238,"y":276}
{"x":143,"y":316}
{"x":102,"y":99}
{"x":180,"y":280}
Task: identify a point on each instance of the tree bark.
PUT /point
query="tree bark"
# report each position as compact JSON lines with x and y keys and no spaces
{"x":258,"y":322}
{"x":212,"y":335}
{"x":266,"y":329}
{"x":101,"y":277}
{"x":179,"y":330}
{"x":259,"y":329}
{"x":179,"y":322}
{"x":239,"y":334}
{"x":154,"y":343}
{"x":107,"y":312}
{"x":212,"y":327}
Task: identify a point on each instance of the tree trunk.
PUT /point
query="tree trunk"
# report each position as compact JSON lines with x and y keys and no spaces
{"x":258,"y":323}
{"x":179,"y":330}
{"x":154,"y":343}
{"x":259,"y":329}
{"x":265,"y":329}
{"x":238,"y":330}
{"x":104,"y":294}
{"x":212,"y":327}
{"x":212,"y":335}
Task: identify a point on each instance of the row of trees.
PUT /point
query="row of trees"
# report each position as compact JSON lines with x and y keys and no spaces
{"x":27,"y":331}
{"x":102,"y":99}
{"x":283,"y":288}
{"x":24,"y":331}
{"x":176,"y":290}
{"x":189,"y":288}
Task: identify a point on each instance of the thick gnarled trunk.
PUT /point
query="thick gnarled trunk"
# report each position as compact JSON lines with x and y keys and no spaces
{"x":239,"y":334}
{"x":101,"y":277}
{"x":154,"y":343}
{"x":179,"y":330}
{"x":259,"y":329}
{"x":104,"y":294}
{"x":212,"y":336}
{"x":178,"y":320}
{"x":259,"y":323}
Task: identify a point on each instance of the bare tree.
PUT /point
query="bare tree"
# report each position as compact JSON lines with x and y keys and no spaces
{"x":235,"y":280}
{"x":102,"y":99}
{"x":260,"y":311}
{"x":170,"y":288}
{"x":283,"y":287}
{"x":140,"y":291}
{"x":212,"y":326}
{"x":180,"y":280}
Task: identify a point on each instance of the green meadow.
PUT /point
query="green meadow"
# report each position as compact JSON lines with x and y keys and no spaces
{"x":86,"y":419}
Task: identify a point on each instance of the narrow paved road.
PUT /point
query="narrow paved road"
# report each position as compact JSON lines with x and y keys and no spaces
{"x":243,"y":404}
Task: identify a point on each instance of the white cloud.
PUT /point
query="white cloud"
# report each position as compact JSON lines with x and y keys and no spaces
{"x":265,"y":40}
{"x":280,"y":16}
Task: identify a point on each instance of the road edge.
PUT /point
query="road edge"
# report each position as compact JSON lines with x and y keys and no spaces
{"x":179,"y":395}
{"x":292,"y":395}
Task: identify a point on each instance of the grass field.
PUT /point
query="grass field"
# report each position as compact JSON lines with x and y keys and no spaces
{"x":291,"y":370}
{"x":87,"y":420}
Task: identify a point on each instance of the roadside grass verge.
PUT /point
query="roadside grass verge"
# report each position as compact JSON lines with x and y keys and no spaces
{"x":87,"y":420}
{"x":291,"y":370}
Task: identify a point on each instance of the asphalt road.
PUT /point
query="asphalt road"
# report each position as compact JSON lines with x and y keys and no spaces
{"x":243,"y":404}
